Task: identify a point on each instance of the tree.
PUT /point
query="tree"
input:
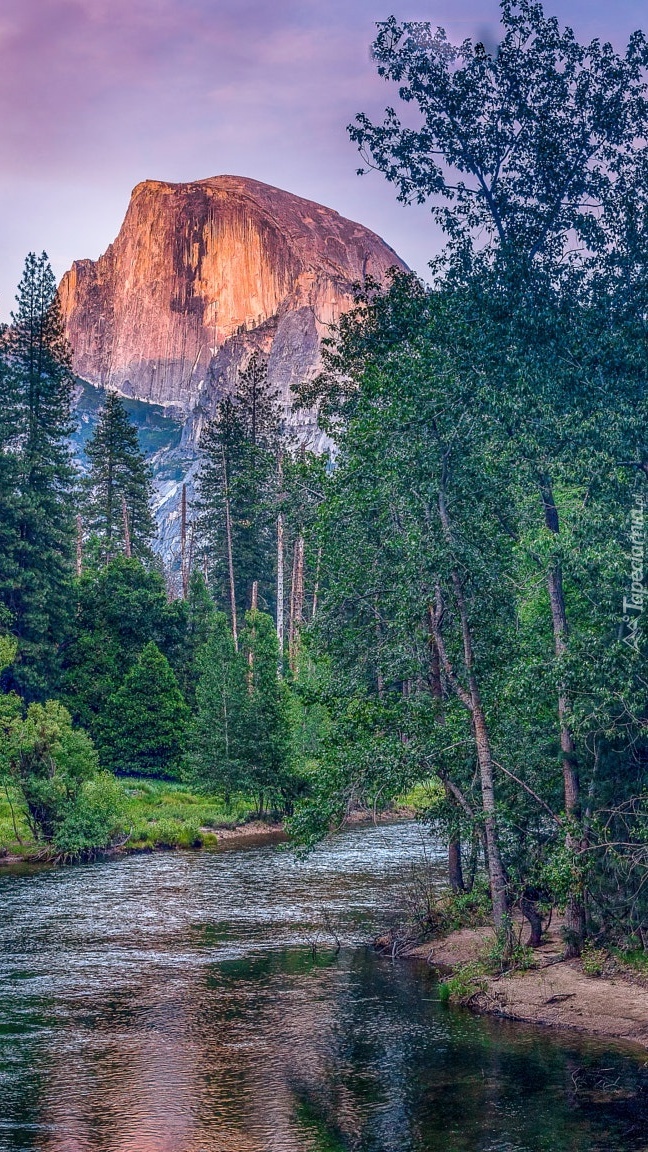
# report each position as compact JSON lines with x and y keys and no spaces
{"x":120,"y":608}
{"x":41,"y":379}
{"x":69,"y":803}
{"x":199,"y":620}
{"x":237,"y":505}
{"x":265,"y":744}
{"x":10,"y":429}
{"x":144,"y":723}
{"x":525,"y":153}
{"x":217,"y":731}
{"x":118,"y":485}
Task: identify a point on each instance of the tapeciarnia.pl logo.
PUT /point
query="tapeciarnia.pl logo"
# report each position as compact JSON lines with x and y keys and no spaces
{"x":633,"y":602}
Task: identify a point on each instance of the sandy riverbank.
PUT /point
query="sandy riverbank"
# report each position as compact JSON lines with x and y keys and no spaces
{"x":555,"y":992}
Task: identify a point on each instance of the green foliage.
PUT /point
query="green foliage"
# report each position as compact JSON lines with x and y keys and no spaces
{"x":239,"y":476}
{"x":164,"y":814}
{"x":241,"y":733}
{"x":196,"y":627}
{"x":36,"y":507}
{"x":120,"y":608}
{"x":217,"y":757}
{"x":464,"y":985}
{"x":69,"y":804}
{"x":144,"y":723}
{"x":517,"y":149}
{"x":118,"y":485}
{"x":266,"y":736}
{"x":95,"y":820}
{"x":594,"y":960}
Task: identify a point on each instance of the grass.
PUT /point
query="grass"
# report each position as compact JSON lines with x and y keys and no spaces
{"x":162,"y":814}
{"x":157,"y":814}
{"x":9,"y":842}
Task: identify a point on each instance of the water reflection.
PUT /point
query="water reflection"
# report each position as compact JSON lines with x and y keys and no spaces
{"x":174,"y":1004}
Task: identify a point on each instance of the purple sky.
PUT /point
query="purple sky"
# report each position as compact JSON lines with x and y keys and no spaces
{"x":96,"y":95}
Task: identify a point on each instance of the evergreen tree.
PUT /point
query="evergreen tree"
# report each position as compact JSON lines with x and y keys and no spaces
{"x":237,"y":505}
{"x":39,"y":377}
{"x":199,"y":615}
{"x":217,"y":732}
{"x":144,"y":723}
{"x":119,"y":609}
{"x":118,"y":486}
{"x":265,"y":745}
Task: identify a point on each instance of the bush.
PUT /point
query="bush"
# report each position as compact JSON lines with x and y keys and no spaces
{"x":94,"y":820}
{"x":463,"y":985}
{"x":68,"y":803}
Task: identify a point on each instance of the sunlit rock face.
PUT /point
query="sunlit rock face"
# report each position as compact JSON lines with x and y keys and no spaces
{"x":201,"y":274}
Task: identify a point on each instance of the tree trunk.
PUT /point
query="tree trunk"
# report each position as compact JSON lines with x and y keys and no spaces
{"x":471,"y":700}
{"x":455,"y":871}
{"x":575,"y":913}
{"x":230,"y":557}
{"x":254,"y":603}
{"x":531,"y":913}
{"x":317,"y":580}
{"x":297,"y":600}
{"x":495,"y":867}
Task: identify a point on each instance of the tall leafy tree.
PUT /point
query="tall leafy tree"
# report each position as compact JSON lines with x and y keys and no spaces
{"x":40,"y":378}
{"x":118,"y":486}
{"x":524,"y":154}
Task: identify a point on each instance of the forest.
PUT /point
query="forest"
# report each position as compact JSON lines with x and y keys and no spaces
{"x":451,"y":599}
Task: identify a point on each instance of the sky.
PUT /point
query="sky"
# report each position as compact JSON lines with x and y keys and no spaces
{"x":96,"y":95}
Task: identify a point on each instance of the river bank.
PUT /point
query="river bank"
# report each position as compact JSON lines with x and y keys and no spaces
{"x":610,"y":1002}
{"x":162,"y":816}
{"x":196,"y":1000}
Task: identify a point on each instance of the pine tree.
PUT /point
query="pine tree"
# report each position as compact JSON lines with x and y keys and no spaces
{"x":217,"y":732}
{"x":144,"y":724}
{"x":39,"y":378}
{"x":238,"y":480}
{"x":266,"y":729}
{"x":199,"y":617}
{"x":118,"y":486}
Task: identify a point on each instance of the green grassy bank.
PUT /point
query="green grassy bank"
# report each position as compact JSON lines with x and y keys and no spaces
{"x":156,"y":814}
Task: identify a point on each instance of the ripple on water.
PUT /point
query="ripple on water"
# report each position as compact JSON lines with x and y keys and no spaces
{"x":174,"y":1003}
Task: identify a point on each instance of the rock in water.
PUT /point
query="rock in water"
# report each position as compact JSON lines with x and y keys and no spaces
{"x":201,"y":275}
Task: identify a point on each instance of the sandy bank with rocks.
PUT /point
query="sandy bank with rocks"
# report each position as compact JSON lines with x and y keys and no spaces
{"x":555,"y":992}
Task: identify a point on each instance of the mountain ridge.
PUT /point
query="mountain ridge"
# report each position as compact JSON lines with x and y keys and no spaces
{"x":201,"y":275}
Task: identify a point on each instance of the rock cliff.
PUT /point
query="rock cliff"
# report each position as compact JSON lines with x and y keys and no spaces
{"x":199,"y":275}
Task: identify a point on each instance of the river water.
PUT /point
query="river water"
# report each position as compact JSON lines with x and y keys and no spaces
{"x":195,"y":1003}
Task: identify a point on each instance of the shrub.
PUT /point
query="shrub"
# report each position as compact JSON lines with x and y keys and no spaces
{"x":96,"y":818}
{"x":68,"y":803}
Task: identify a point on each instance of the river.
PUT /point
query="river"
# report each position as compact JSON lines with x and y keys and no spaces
{"x":194,"y":1002}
